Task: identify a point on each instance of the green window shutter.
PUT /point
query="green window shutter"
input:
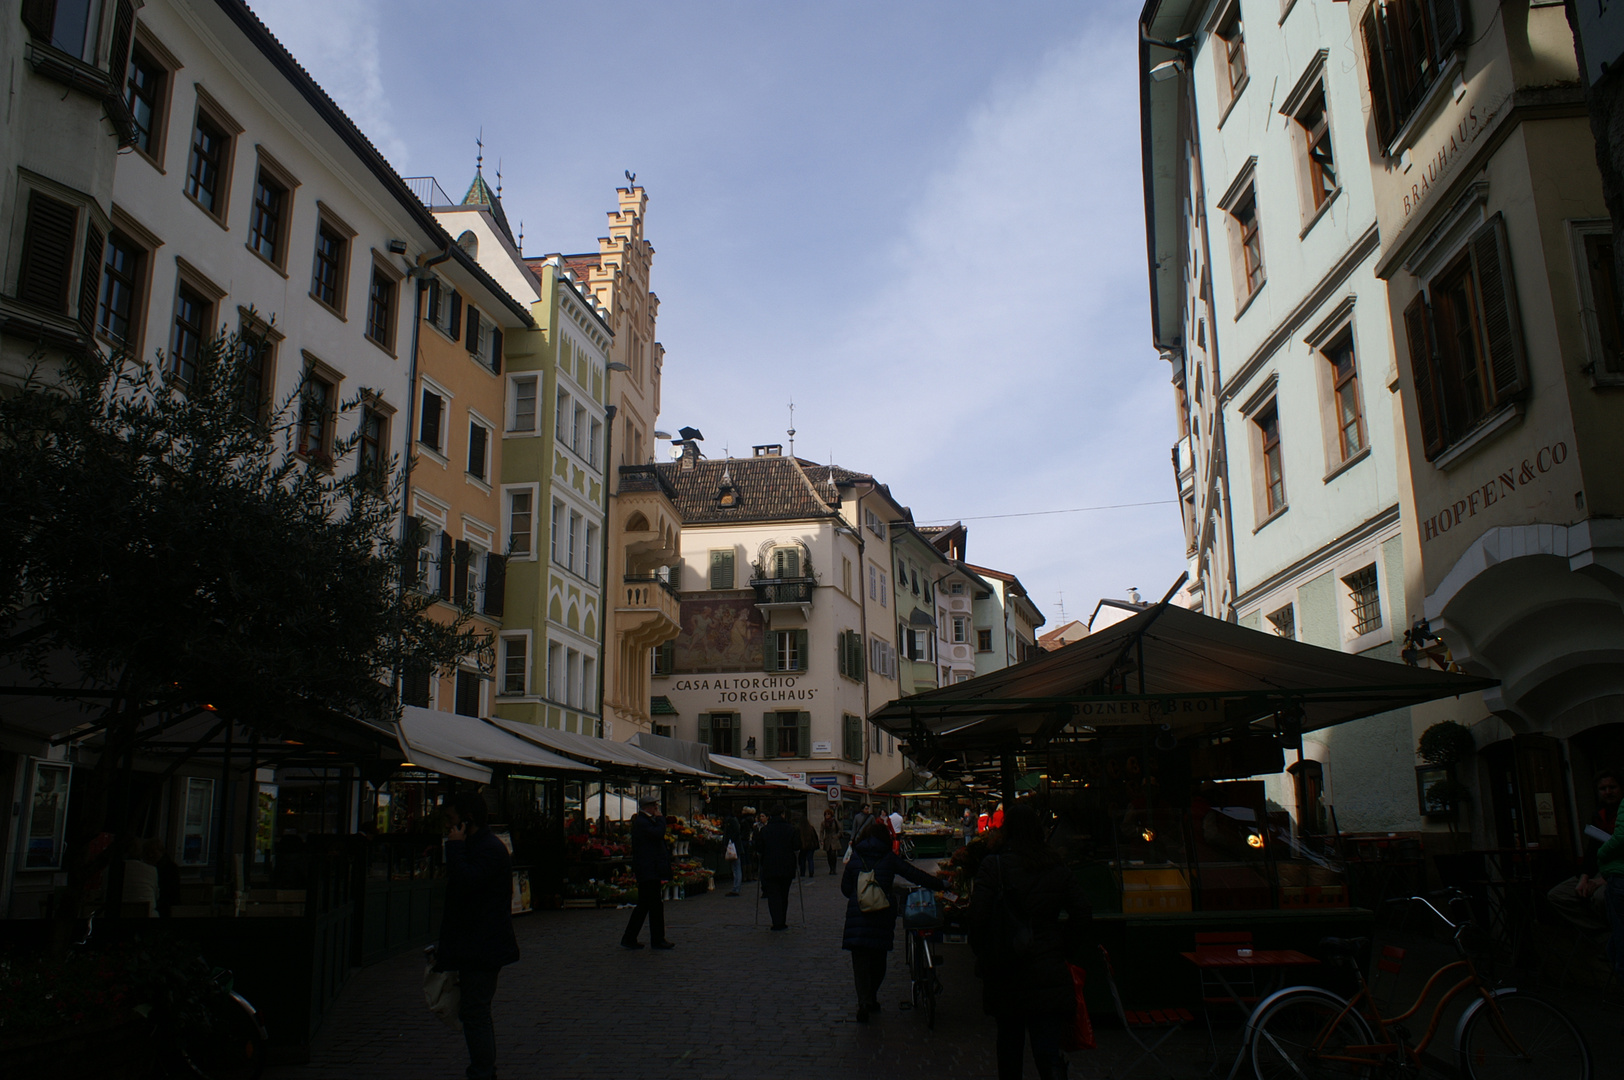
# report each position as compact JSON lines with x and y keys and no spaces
{"x":802,"y":660}
{"x":721,"y":569}
{"x":769,"y":736}
{"x":705,"y":728}
{"x":787,"y":562}
{"x":804,"y":722}
{"x":769,"y":651}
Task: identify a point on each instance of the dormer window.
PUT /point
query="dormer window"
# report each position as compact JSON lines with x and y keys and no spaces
{"x":727,"y":495}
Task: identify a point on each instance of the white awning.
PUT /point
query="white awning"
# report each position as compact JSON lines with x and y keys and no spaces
{"x":746,"y":767}
{"x":465,"y":746}
{"x":604,"y":752}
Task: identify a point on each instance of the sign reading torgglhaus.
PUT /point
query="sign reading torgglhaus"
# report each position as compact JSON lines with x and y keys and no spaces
{"x":759,"y":688}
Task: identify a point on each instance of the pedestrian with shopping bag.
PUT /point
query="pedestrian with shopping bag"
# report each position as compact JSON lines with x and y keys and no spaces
{"x":1021,"y":944}
{"x":476,"y":932}
{"x":736,"y":845}
{"x":871,"y":910}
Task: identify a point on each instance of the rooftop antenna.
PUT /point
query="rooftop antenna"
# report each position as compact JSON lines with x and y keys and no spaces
{"x":791,"y":431}
{"x":1062,"y":607}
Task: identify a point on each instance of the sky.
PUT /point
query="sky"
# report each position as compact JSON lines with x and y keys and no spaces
{"x":921,"y":222}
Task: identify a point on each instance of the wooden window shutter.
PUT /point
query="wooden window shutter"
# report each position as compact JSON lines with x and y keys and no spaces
{"x":1447,"y":26}
{"x":1497,"y":300}
{"x":118,"y":60}
{"x":496,"y":351}
{"x":769,"y":735}
{"x":1378,"y":77}
{"x":472,"y":342}
{"x":1424,"y":373}
{"x":459,"y":581}
{"x":769,"y":651}
{"x":454,"y":324}
{"x":411,"y":545}
{"x":90,"y":278}
{"x":429,"y":429}
{"x":495,"y":582}
{"x":414,"y":688}
{"x":705,"y":728}
{"x":787,"y":562}
{"x":47,"y":261}
{"x":431,"y":302}
{"x":802,"y":661}
{"x":40,"y":18}
{"x":721,"y":570}
{"x":445,"y":565}
{"x":803,"y":721}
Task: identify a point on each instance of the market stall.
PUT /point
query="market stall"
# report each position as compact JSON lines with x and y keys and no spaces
{"x":1142,"y":741}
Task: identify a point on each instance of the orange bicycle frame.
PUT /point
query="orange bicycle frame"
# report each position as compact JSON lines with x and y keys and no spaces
{"x":1377,"y":1053}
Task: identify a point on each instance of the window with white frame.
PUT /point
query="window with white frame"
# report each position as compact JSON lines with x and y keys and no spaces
{"x":1284,"y":622}
{"x":573,"y":554}
{"x":589,"y":683}
{"x":515,"y":677}
{"x":474,"y":569}
{"x":434,"y":418}
{"x":589,"y":555}
{"x":961,"y":629}
{"x":594,"y":439}
{"x":520,"y":521}
{"x":430,"y":522}
{"x":1599,"y":299}
{"x":875,"y":523}
{"x":561,"y":419}
{"x":556,"y":532}
{"x":572,"y":677}
{"x":882,"y":658}
{"x":479,"y":449}
{"x":557,"y":680}
{"x":522,"y":398}
{"x":1364,"y":598}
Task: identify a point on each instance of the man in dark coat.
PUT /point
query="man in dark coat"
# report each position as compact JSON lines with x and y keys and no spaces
{"x":869,"y":935}
{"x":779,"y":843}
{"x":651,"y":866}
{"x":476,"y":934}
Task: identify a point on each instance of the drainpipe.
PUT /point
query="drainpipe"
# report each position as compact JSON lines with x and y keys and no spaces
{"x":609,"y":412}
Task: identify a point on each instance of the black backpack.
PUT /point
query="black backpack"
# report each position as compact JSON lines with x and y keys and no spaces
{"x":1012,"y":926}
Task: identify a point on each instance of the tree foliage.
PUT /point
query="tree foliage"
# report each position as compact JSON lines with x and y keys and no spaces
{"x":168,"y":542}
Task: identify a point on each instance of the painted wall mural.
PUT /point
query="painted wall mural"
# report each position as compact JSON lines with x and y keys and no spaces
{"x":720,"y":635}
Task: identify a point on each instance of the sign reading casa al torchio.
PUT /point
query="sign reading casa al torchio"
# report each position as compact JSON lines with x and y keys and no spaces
{"x":753,"y":689}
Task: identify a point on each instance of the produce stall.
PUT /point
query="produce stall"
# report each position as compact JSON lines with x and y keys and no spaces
{"x":1140,"y":742}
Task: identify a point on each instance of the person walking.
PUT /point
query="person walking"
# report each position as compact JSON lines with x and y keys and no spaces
{"x":651,"y":866}
{"x":832,"y":838}
{"x":736,"y":831}
{"x":476,"y":932}
{"x":779,"y":843}
{"x":809,"y":845}
{"x":870,"y":935}
{"x":861,"y":817}
{"x":1026,"y":986}
{"x":1582,"y":900}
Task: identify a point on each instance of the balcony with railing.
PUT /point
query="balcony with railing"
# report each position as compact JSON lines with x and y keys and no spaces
{"x":429,"y":192}
{"x":775,"y":593}
{"x":648,"y":609}
{"x":644,"y":478}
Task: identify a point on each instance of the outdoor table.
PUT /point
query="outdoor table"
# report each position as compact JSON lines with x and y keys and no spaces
{"x":1222,"y":963}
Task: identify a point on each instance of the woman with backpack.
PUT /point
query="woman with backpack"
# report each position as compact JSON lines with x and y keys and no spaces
{"x":1021,"y":944}
{"x":871,"y":926}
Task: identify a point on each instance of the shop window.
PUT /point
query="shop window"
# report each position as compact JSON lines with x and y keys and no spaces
{"x":1465,"y":342}
{"x":1407,"y":44}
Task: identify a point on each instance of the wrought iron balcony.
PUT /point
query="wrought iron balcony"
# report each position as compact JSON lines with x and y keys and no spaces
{"x":644,"y":478}
{"x":774,"y":591}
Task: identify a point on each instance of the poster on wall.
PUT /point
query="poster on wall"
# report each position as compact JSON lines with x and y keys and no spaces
{"x":720,"y":635}
{"x":521,"y":892}
{"x":47,"y":815}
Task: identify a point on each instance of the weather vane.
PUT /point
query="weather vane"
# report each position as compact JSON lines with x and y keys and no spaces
{"x":631,"y":177}
{"x":791,"y":431}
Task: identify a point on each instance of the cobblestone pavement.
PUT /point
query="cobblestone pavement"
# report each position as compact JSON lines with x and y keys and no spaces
{"x":734,"y":1001}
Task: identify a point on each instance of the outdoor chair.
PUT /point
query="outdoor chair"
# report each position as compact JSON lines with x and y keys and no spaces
{"x":1148,"y":1021}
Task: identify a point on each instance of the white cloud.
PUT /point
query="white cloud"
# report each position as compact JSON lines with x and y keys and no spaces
{"x":337,"y":42}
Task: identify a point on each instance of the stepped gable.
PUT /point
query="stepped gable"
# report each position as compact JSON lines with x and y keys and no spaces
{"x":768,"y":488}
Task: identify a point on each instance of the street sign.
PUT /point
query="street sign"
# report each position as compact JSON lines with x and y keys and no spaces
{"x":833,"y":791}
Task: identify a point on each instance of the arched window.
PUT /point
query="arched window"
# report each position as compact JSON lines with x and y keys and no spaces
{"x":469,"y":243}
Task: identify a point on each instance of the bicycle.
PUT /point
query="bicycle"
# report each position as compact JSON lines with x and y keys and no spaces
{"x":1306,"y":1033}
{"x":922,"y":979}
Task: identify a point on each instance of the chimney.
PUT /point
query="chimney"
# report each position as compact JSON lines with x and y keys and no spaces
{"x":769,"y":450}
{"x":690,"y":454}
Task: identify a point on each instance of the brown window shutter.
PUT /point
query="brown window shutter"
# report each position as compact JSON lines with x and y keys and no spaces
{"x":459,"y":579}
{"x":414,"y":685}
{"x":472,"y":343}
{"x":1497,"y":300}
{"x":90,"y":278}
{"x":1424,"y":369}
{"x":118,"y":60}
{"x":47,"y":262}
{"x":445,"y":565}
{"x":495,"y":583}
{"x":455,"y":322}
{"x":496,"y":351}
{"x":411,"y":545}
{"x":1447,"y":26}
{"x":40,"y":17}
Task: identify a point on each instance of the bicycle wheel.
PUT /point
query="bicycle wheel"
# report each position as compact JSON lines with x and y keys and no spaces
{"x":227,"y":1046}
{"x":1305,"y":1036}
{"x":917,"y":969}
{"x":1518,"y":1037}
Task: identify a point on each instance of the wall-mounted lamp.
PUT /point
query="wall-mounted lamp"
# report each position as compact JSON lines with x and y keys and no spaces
{"x":616,"y":365}
{"x":1167,"y":69}
{"x":397,"y":247}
